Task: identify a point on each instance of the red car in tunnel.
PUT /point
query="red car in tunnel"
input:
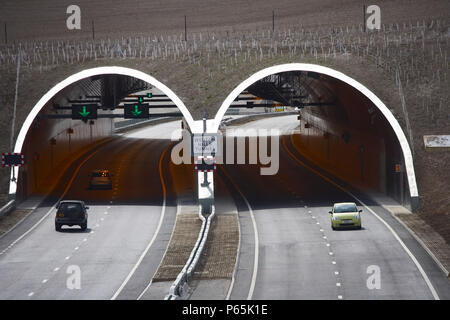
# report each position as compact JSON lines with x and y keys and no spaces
{"x":100,"y":179}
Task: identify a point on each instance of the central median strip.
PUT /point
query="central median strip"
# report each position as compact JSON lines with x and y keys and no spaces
{"x":177,"y":288}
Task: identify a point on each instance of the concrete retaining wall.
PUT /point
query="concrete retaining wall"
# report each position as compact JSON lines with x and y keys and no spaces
{"x":45,"y":161}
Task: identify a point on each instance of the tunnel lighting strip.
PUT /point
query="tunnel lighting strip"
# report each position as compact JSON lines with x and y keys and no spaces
{"x":83,"y":75}
{"x":337,"y":75}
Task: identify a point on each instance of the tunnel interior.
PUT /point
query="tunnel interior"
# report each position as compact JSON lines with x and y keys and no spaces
{"x":339,"y":130}
{"x":56,"y":140}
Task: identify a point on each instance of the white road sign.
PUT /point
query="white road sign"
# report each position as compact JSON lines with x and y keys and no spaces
{"x":207,"y":144}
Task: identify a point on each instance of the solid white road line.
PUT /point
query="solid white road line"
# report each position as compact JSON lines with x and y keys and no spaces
{"x":161,"y":218}
{"x":255,"y":230}
{"x":160,"y":263}
{"x":236,"y":264}
{"x":413,"y":258}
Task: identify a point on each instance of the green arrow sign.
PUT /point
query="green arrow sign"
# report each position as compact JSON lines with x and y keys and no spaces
{"x":136,"y":111}
{"x":85,"y":113}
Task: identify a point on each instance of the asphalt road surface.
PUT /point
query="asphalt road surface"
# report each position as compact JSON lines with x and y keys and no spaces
{"x":289,"y":251}
{"x":129,"y":227}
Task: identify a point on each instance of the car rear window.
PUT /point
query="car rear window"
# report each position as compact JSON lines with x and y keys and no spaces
{"x":69,"y":207}
{"x":345,"y":208}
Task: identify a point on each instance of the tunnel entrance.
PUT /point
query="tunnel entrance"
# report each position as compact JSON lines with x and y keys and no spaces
{"x":81,"y":113}
{"x":341,"y":126}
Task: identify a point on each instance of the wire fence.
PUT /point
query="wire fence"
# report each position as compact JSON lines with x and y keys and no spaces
{"x":415,"y":55}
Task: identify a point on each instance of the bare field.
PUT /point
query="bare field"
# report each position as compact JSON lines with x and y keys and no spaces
{"x":228,"y":41}
{"x":46,"y":19}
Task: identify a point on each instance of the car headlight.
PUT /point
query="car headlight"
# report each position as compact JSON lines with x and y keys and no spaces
{"x":356,"y":216}
{"x":335,"y":218}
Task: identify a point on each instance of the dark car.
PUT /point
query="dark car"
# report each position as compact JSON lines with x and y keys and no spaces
{"x":100,"y":179}
{"x":70,"y":213}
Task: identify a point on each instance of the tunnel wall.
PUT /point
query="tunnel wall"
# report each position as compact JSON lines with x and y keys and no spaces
{"x":322,"y":142}
{"x":358,"y":160}
{"x":45,"y":162}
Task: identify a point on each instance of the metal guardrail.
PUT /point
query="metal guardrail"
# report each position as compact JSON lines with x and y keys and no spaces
{"x":124,"y":125}
{"x":7,"y":208}
{"x":257,"y":116}
{"x":176,"y":290}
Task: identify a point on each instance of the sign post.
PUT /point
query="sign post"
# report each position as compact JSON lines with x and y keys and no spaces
{"x":13,"y":160}
{"x":204,"y":148}
{"x":205,"y":173}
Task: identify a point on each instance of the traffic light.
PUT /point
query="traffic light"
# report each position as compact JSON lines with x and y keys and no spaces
{"x":136,"y":111}
{"x":84,"y":111}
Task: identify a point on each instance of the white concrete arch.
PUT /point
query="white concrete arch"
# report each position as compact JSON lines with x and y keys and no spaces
{"x":83,"y":75}
{"x":214,"y":126}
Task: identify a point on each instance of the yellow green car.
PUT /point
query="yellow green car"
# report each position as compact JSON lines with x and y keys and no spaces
{"x":345,"y":215}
